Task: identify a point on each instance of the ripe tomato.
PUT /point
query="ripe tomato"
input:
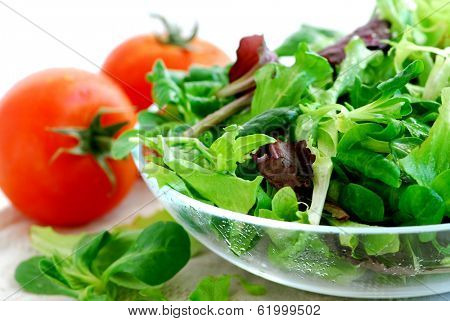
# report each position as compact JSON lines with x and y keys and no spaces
{"x":46,"y":171}
{"x":129,"y":63}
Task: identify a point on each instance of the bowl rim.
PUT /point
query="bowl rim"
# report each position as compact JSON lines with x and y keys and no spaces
{"x":291,"y":226}
{"x":268,"y":223}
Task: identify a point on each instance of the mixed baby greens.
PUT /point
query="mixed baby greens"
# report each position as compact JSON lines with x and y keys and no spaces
{"x":353,"y":133}
{"x":355,"y":120}
{"x":130,"y":262}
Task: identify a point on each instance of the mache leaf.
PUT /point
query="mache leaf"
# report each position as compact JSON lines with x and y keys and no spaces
{"x":362,"y":202}
{"x":420,"y":205}
{"x":31,"y":279}
{"x":212,"y":288}
{"x":400,"y":80}
{"x":160,"y":251}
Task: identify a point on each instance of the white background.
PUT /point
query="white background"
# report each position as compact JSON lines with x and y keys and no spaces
{"x":349,"y":311}
{"x":94,"y":27}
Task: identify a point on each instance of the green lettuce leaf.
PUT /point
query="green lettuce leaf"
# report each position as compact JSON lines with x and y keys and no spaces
{"x":432,"y":157}
{"x":316,"y":38}
{"x":357,"y":57}
{"x":438,"y":78}
{"x":48,"y":242}
{"x":167,"y":177}
{"x":281,"y":86}
{"x":429,"y":18}
{"x":217,"y":187}
{"x":230,"y":150}
{"x":373,"y":244}
{"x":285,"y":204}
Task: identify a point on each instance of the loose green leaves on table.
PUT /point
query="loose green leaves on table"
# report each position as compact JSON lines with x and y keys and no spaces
{"x":102,"y":266}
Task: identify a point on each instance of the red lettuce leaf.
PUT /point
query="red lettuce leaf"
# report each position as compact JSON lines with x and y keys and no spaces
{"x":286,"y":164}
{"x":371,"y":33}
{"x":251,"y":54}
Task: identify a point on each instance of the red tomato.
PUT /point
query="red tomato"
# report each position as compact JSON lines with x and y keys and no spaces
{"x":130,"y":62}
{"x":68,"y":189}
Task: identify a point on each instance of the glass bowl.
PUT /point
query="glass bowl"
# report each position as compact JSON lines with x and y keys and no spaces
{"x":318,"y":258}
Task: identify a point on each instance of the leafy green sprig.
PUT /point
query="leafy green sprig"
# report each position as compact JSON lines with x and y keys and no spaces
{"x":132,"y":262}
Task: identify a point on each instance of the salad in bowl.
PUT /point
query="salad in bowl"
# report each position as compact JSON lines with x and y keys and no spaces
{"x":330,"y":173}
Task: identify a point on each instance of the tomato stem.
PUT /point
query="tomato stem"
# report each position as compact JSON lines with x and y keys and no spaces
{"x":173,"y":34}
{"x":96,"y":140}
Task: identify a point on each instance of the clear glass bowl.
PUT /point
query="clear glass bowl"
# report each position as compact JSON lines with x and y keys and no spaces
{"x":312,"y":258}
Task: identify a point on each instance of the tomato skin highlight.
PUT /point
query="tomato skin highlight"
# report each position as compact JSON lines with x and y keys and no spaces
{"x":71,"y":189}
{"x":129,"y":63}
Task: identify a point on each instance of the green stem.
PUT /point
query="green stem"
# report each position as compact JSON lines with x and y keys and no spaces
{"x":242,"y":84}
{"x":376,"y":145}
{"x":236,"y":87}
{"x":219,"y":116}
